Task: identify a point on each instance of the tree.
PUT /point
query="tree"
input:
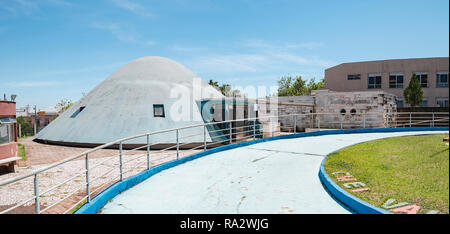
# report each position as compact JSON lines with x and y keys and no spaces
{"x":62,"y":105}
{"x":214,"y":84}
{"x":286,"y":86}
{"x":225,"y":89}
{"x":413,"y":93}
{"x":25,"y":127}
{"x":312,"y":85}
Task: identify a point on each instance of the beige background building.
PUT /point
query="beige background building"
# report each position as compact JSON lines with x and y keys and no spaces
{"x":393,"y":76}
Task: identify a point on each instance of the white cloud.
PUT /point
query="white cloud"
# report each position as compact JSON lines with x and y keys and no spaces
{"x":150,"y":43}
{"x":117,"y":30}
{"x":132,"y":7}
{"x":28,"y":7}
{"x":261,"y":44}
{"x":230,"y":63}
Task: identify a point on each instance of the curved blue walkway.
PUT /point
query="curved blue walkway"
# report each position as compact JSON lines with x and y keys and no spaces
{"x":272,"y":177}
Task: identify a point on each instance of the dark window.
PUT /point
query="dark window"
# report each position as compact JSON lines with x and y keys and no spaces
{"x":400,"y":103}
{"x":396,"y":80}
{"x":424,"y":103}
{"x":352,"y":111}
{"x":423,"y":79}
{"x":343,"y":111}
{"x":442,"y":80}
{"x":374,"y":81}
{"x":354,"y":77}
{"x":158,"y":110}
{"x":77,"y":112}
{"x":442,"y":102}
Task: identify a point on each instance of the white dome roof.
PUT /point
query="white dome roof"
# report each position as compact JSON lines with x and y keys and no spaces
{"x":122,"y":105}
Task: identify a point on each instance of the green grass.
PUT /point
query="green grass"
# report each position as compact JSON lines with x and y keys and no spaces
{"x":21,"y":152}
{"x":412,"y":169}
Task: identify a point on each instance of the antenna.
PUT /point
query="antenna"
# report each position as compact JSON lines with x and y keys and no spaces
{"x":13,"y":97}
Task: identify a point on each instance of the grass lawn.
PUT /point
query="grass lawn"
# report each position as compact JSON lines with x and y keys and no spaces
{"x":412,"y":169}
{"x":21,"y":152}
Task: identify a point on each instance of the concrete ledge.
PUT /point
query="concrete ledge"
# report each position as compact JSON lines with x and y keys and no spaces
{"x":348,"y":200}
{"x":112,"y":191}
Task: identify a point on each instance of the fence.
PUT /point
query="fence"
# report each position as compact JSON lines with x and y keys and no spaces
{"x":87,"y":177}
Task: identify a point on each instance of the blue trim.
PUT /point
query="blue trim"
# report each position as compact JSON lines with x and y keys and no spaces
{"x":112,"y":191}
{"x":351,"y":202}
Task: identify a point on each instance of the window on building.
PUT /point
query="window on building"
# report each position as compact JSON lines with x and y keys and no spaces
{"x":442,"y":102}
{"x":6,"y":133}
{"x":400,"y":104}
{"x":423,"y":79}
{"x":158,"y":110}
{"x":442,"y":79}
{"x":77,"y":112}
{"x":374,"y":81}
{"x":424,"y":103}
{"x":396,"y":80}
{"x":354,"y":77}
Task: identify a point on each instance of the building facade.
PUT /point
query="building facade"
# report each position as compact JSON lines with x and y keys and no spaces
{"x":392,"y":76}
{"x":8,"y":135}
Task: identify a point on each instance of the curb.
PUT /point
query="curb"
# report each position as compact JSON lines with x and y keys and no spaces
{"x":112,"y":191}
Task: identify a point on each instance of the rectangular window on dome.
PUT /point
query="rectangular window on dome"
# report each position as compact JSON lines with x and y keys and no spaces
{"x":77,"y":112}
{"x":158,"y":110}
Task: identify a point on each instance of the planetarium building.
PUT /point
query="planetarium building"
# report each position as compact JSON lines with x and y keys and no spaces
{"x":146,"y":95}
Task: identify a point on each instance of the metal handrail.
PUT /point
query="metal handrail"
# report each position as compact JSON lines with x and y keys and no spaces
{"x":232,"y":137}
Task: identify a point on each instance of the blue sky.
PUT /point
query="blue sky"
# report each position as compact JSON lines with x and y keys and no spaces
{"x":54,"y":49}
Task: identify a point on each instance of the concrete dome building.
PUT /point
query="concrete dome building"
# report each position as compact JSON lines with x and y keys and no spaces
{"x":140,"y":97}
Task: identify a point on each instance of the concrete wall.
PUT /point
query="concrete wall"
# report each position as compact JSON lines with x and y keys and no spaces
{"x":369,"y":108}
{"x":8,"y":150}
{"x":7,"y":109}
{"x":336,"y":77}
{"x":285,"y":109}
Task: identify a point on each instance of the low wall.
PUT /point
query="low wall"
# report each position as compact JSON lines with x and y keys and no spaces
{"x":112,"y":191}
{"x":8,"y":150}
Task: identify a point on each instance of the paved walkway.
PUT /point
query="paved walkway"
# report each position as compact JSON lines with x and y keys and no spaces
{"x":273,"y":177}
{"x":40,"y":154}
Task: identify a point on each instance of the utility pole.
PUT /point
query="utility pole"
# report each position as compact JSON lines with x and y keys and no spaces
{"x":35,"y":120}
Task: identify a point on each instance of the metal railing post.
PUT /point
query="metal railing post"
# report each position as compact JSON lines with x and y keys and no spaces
{"x":318,"y":122}
{"x":364,"y":120}
{"x":88,"y":189}
{"x":254,"y":129}
{"x":295,"y":124}
{"x":410,"y":120}
{"x":204,"y":137}
{"x":148,"y":152}
{"x":120,"y":161}
{"x":178,"y":145}
{"x":36,"y":194}
{"x":231,"y":132}
{"x":433,"y":120}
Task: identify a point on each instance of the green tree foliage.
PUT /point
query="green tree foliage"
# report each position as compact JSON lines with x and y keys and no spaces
{"x":225,"y":89}
{"x":62,"y":105}
{"x":26,"y":128}
{"x":214,"y":84}
{"x":287,"y":86}
{"x":413,"y":93}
